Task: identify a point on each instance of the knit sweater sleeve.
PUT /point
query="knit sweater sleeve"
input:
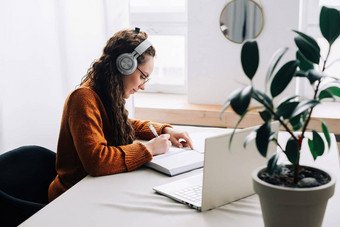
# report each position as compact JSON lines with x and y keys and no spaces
{"x":85,"y":120}
{"x":143,"y":131}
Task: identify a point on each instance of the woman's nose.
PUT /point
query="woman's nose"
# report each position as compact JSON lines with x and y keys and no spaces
{"x":142,"y":87}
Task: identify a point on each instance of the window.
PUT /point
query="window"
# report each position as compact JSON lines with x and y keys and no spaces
{"x":310,"y":25}
{"x":166,"y":24}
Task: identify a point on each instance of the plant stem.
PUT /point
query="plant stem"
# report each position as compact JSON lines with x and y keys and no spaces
{"x":297,"y":166}
{"x":282,"y":123}
{"x":315,"y":96}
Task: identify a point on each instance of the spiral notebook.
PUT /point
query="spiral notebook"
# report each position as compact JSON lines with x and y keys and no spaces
{"x":181,"y":160}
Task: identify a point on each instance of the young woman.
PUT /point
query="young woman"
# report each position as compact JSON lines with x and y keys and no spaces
{"x":96,"y":136}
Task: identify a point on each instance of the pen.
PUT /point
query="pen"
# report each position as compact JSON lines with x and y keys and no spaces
{"x":153,"y":130}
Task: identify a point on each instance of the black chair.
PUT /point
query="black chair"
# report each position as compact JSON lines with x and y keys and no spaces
{"x":25,"y":175}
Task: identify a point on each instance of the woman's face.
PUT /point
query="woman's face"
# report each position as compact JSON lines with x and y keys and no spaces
{"x":136,"y":80}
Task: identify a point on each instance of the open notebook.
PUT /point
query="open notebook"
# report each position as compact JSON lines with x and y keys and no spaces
{"x":180,"y":160}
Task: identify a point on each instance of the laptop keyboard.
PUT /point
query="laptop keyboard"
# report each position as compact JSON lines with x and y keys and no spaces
{"x":192,"y":193}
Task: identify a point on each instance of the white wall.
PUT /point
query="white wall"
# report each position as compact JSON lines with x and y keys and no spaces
{"x":214,"y":66}
{"x":46,"y":48}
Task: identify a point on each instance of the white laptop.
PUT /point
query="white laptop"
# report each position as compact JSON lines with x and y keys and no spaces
{"x":226,"y":174}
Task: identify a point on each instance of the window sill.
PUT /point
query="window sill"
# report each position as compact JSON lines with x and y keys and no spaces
{"x":175,"y":109}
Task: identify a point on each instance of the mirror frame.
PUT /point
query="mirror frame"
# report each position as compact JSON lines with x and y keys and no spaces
{"x":263,"y":21}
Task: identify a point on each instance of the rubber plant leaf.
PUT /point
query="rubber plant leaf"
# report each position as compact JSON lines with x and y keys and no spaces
{"x":304,"y":106}
{"x":250,"y":137}
{"x":262,"y":138}
{"x":241,"y":100}
{"x":304,"y":64}
{"x":265,"y":115}
{"x":227,"y":103}
{"x":334,"y":90}
{"x":285,"y":110}
{"x":250,"y":58}
{"x":313,"y":76}
{"x":287,"y":99}
{"x":262,"y":98}
{"x":234,"y":130}
{"x":292,"y":150}
{"x":325,"y":94}
{"x":326,"y":133}
{"x":308,"y":39}
{"x":330,"y":24}
{"x":272,"y":163}
{"x":274,"y":61}
{"x":316,"y":146}
{"x":329,"y":92}
{"x":307,"y":50}
{"x":296,"y":122}
{"x":283,"y":78}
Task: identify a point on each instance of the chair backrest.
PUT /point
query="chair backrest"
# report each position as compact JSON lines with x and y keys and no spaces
{"x":27,"y":172}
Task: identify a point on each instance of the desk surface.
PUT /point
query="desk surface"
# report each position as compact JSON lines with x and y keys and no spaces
{"x":127,"y":199}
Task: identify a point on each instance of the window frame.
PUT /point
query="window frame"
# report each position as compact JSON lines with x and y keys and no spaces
{"x":165,"y":23}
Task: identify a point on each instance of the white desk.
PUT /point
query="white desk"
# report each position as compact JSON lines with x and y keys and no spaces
{"x":127,"y":199}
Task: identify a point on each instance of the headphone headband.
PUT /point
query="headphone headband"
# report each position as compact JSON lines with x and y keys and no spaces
{"x":142,"y":47}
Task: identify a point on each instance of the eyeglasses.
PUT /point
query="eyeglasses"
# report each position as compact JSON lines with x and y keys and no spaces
{"x":145,"y":77}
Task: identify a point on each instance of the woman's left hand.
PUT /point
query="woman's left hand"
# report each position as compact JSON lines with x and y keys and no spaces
{"x":178,"y":138}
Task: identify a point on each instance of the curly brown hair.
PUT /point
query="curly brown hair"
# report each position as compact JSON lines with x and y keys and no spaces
{"x":105,"y":79}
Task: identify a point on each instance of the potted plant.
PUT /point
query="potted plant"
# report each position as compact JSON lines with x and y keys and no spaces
{"x":290,"y":195}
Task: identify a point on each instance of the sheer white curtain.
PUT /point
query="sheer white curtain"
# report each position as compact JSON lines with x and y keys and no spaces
{"x":46,"y":48}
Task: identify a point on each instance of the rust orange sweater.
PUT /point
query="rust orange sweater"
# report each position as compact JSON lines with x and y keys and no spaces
{"x":83,"y":148}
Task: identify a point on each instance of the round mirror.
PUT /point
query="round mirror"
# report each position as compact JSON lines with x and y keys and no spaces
{"x":241,"y":20}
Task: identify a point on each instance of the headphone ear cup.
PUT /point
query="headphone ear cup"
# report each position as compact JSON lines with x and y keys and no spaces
{"x":126,"y":63}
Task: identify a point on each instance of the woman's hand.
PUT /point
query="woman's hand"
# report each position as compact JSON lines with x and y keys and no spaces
{"x":159,"y":145}
{"x":178,"y":138}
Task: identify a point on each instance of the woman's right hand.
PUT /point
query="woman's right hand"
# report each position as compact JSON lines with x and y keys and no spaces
{"x":159,"y":145}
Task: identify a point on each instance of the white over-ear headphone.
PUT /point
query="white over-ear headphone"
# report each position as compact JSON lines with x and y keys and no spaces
{"x":127,"y":63}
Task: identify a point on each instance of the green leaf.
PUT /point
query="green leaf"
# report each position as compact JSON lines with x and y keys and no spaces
{"x":283,"y":77}
{"x":292,"y":150}
{"x":308,"y":39}
{"x":250,"y":58}
{"x":307,"y":50}
{"x":313,"y":76}
{"x":262,"y":98}
{"x":329,"y":92}
{"x":272,"y":163}
{"x":265,"y":115}
{"x":224,"y":107}
{"x":241,"y":100}
{"x":287,"y":99}
{"x":235,"y":127}
{"x":326,"y":133}
{"x":262,"y":138}
{"x":304,"y":106}
{"x":334,"y":90}
{"x":274,"y":61}
{"x":330,"y":24}
{"x":316,"y":145}
{"x":296,"y":122}
{"x":227,"y":102}
{"x":304,"y":64}
{"x":286,"y":109}
{"x":325,"y":94}
{"x":251,"y":136}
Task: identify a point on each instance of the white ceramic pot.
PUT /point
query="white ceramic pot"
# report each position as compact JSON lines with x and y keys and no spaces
{"x":283,"y":206}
